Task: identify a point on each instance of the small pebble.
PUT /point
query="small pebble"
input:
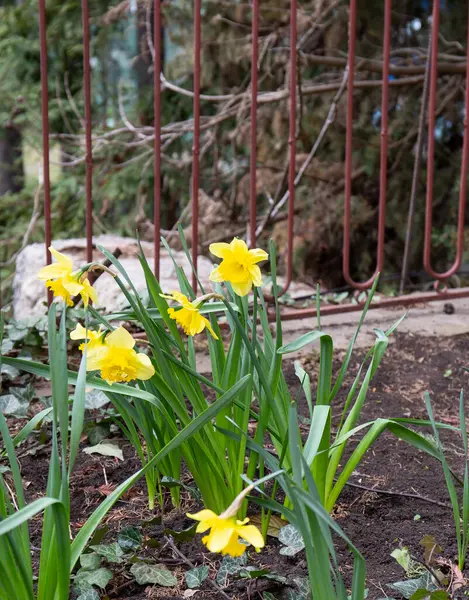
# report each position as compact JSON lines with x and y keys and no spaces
{"x":448,"y":308}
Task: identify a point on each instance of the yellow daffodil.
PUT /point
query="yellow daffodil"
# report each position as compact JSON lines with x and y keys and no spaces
{"x":66,"y":283}
{"x":114,"y":355}
{"x":94,"y":339}
{"x":188,"y":316}
{"x":239,"y":265}
{"x":225,"y":529}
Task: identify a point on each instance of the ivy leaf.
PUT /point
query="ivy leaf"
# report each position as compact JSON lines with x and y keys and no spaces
{"x":182,"y":536}
{"x":195,"y":577}
{"x":89,"y":594}
{"x":292,"y":540}
{"x":408,"y":587}
{"x":129,"y":538}
{"x":230,"y":565}
{"x":113,"y":553}
{"x":84,"y":580}
{"x":255,"y":573}
{"x":95,"y":399}
{"x":105,"y":449}
{"x":146,"y":573}
{"x":9,"y":371}
{"x":12,"y":405}
{"x":90,"y":562}
{"x":268,"y":596}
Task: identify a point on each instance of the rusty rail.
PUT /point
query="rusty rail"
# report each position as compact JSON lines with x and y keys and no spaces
{"x":292,"y":100}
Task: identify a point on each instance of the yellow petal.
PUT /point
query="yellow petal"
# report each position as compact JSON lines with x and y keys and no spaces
{"x":61,"y":258}
{"x":219,"y":249}
{"x":79,"y":333}
{"x":239,"y":248}
{"x":95,"y":357}
{"x":219,"y":537}
{"x":197,"y":324}
{"x":251,"y":534}
{"x":72,"y":286}
{"x":242,"y":289}
{"x":120,"y":338}
{"x":216,"y":276}
{"x":88,"y":292}
{"x":209,"y":327}
{"x":234,"y":548}
{"x":257,"y":255}
{"x":256,"y":275}
{"x":53,"y":272}
{"x":203,"y":515}
{"x":145,"y":369}
{"x":177,"y":296}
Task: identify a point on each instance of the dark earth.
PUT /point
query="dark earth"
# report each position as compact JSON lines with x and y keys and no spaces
{"x":377,"y":522}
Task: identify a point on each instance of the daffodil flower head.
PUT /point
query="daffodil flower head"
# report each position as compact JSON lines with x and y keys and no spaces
{"x":66,"y":283}
{"x":225,"y":529}
{"x":114,"y":355}
{"x":188,"y":316}
{"x":238,"y":266}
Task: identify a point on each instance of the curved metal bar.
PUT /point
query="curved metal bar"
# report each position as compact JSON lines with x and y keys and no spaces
{"x":384,"y":147}
{"x":431,"y":155}
{"x":45,"y":133}
{"x":291,"y":145}
{"x":253,"y":155}
{"x":88,"y":130}
{"x":157,"y":141}
{"x":196,"y":145}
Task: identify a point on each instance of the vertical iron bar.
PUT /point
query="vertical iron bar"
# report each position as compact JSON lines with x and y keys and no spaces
{"x":88,"y":130}
{"x":253,"y":156}
{"x":196,"y":145}
{"x":383,"y":150}
{"x":157,"y":143}
{"x":45,"y":133}
{"x":416,"y":173}
{"x":431,"y":160}
{"x":291,"y":144}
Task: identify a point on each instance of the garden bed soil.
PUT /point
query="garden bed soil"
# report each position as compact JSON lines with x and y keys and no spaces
{"x":376,"y":522}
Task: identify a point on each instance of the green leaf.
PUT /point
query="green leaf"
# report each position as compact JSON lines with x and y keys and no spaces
{"x":230,"y":565}
{"x":146,"y":573}
{"x":44,"y":371}
{"x":105,"y":449}
{"x":170,"y":482}
{"x":268,"y":596}
{"x":402,"y":557}
{"x":292,"y":540}
{"x":182,"y":536}
{"x":195,"y":577}
{"x":440,"y":595}
{"x":113,"y":553}
{"x":89,"y":594}
{"x":95,"y":399}
{"x":129,"y":538}
{"x":12,"y":405}
{"x":420,"y":595}
{"x":86,"y":579}
{"x":98,"y":434}
{"x":90,"y":561}
{"x":408,"y":587}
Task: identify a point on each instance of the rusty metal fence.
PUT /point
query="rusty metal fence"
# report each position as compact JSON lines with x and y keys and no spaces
{"x":441,"y":290}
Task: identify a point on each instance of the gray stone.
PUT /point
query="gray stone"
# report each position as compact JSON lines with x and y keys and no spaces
{"x":29,"y":294}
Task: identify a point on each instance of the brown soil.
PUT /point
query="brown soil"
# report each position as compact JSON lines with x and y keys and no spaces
{"x":376,"y":522}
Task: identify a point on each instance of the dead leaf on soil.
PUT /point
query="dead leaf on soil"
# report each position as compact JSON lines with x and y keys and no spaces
{"x":276,"y":523}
